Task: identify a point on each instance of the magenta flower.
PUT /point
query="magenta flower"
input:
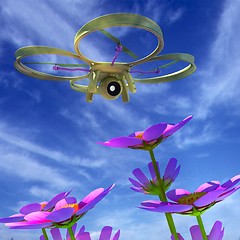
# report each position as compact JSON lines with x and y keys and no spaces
{"x":82,"y":235}
{"x":148,"y":139}
{"x":152,"y":186}
{"x":65,"y":213}
{"x":216,"y":233}
{"x":185,"y":202}
{"x":34,"y":207}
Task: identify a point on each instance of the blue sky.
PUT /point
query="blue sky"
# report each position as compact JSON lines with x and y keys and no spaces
{"x":48,"y":132}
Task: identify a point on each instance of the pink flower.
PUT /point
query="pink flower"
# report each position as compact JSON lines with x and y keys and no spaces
{"x":66,"y":212}
{"x":148,"y":139}
{"x":82,"y":235}
{"x":34,"y":207}
{"x":185,"y":202}
{"x":144,"y":185}
{"x":216,"y":232}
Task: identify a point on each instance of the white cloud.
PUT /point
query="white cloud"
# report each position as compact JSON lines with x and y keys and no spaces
{"x":55,"y":30}
{"x":174,"y":15}
{"x":31,"y":170}
{"x":188,"y":136}
{"x":163,"y":11}
{"x":55,"y":155}
{"x":221,"y":74}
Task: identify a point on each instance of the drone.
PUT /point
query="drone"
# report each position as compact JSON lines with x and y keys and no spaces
{"x":109,"y":79}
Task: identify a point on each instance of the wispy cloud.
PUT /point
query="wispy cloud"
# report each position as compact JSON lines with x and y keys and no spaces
{"x":58,"y":156}
{"x":221,"y":74}
{"x":189,"y":137}
{"x":32,"y":170}
{"x":163,"y":11}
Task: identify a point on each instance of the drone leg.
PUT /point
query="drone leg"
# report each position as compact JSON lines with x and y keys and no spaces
{"x":89,"y":97}
{"x":125,"y":95}
{"x":93,"y":78}
{"x":131,"y":84}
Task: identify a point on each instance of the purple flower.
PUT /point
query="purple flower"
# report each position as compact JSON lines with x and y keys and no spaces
{"x":185,"y":202}
{"x":82,"y":235}
{"x":152,"y":186}
{"x":66,"y":212}
{"x":148,"y":139}
{"x":215,"y":234}
{"x":34,"y":207}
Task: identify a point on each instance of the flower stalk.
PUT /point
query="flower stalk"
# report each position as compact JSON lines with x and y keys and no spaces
{"x":44,"y":233}
{"x":201,"y":226}
{"x":71,"y":233}
{"x":162,"y":196}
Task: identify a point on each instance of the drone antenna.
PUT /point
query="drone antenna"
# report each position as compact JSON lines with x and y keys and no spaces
{"x":56,"y":67}
{"x":118,"y":49}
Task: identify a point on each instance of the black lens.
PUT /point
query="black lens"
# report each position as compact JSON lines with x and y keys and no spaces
{"x":113,"y":88}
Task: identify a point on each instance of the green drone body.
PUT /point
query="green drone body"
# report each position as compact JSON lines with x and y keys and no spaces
{"x":110,"y":79}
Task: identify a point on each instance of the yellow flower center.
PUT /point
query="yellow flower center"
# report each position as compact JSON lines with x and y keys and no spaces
{"x":72,"y":205}
{"x":191,"y":198}
{"x":43,"y":205}
{"x":139,"y":135}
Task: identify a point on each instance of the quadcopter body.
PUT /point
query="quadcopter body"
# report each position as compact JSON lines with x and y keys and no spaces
{"x":109,"y":79}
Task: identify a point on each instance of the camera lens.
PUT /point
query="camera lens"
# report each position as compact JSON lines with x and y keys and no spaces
{"x":110,"y":87}
{"x":113,"y":88}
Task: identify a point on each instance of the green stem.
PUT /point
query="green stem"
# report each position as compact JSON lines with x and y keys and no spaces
{"x":71,"y":233}
{"x":163,"y":197}
{"x":44,"y":233}
{"x":202,"y":229}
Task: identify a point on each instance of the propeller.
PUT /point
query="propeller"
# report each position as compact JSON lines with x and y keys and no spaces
{"x":116,"y":40}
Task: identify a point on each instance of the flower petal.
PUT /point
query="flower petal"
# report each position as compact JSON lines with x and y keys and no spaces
{"x":176,"y":127}
{"x":208,"y":198}
{"x":55,"y":199}
{"x":37,"y":216}
{"x":170,"y":169}
{"x":33,"y":207}
{"x":169,"y":208}
{"x":61,"y":215}
{"x":134,"y":134}
{"x":154,"y":132}
{"x":71,"y":200}
{"x":151,"y":170}
{"x":179,"y":237}
{"x":122,"y":142}
{"x":83,"y":236}
{"x":13,"y":218}
{"x":105,"y":233}
{"x":137,"y":189}
{"x":231,"y":182}
{"x":196,"y":233}
{"x":228,"y":193}
{"x":151,"y":203}
{"x":175,"y":174}
{"x":141,"y":177}
{"x":55,"y":232}
{"x":28,"y":225}
{"x":92,"y":199}
{"x":62,"y":203}
{"x":135,"y":183}
{"x":208,"y":187}
{"x":117,"y":235}
{"x":175,"y":194}
{"x":216,"y":232}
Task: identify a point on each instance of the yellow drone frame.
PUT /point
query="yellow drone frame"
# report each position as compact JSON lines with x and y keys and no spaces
{"x":107,"y":78}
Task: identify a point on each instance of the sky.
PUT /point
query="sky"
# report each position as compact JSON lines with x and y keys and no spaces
{"x":48,"y":132}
